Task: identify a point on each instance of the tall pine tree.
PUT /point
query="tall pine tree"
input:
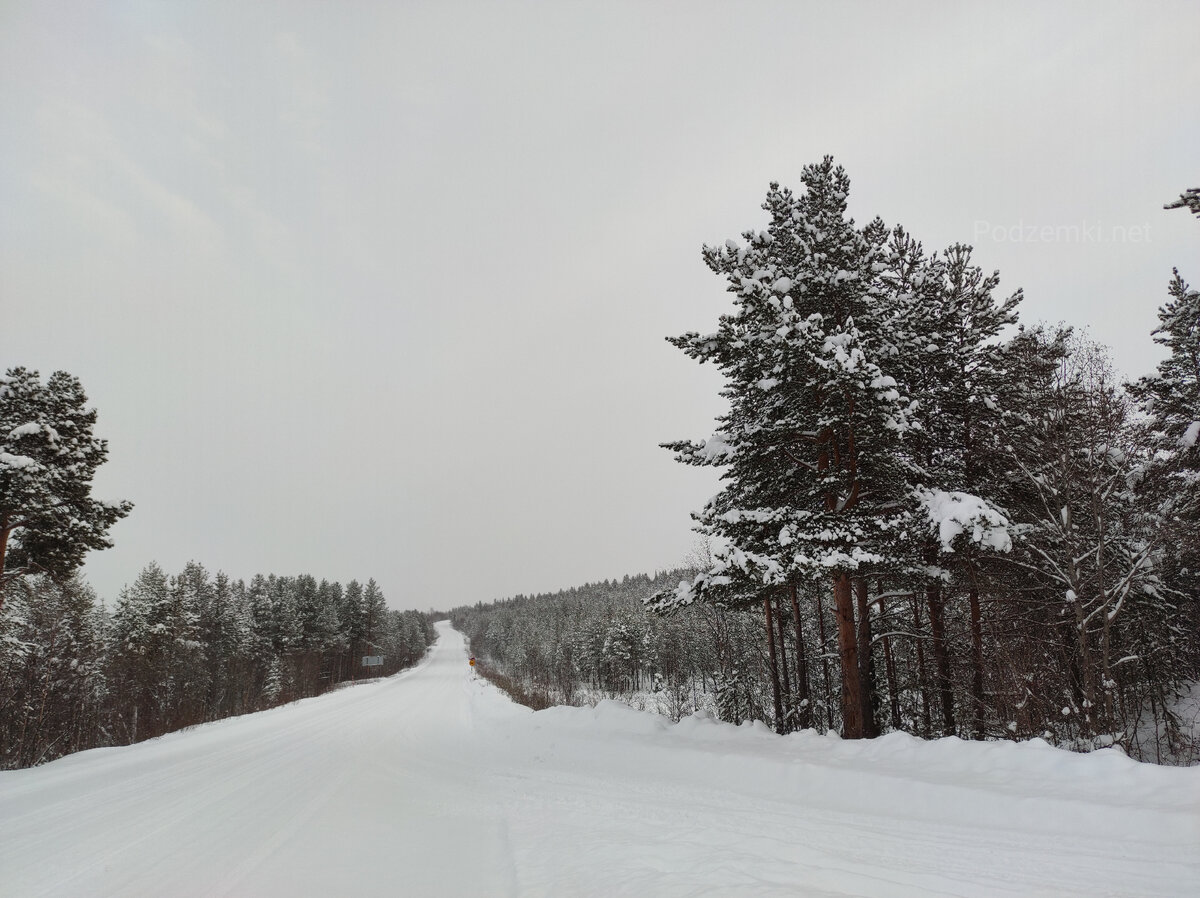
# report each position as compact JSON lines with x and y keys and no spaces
{"x":812,"y":486}
{"x":48,"y":457}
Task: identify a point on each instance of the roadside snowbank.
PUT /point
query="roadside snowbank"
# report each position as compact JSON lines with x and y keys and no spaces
{"x":894,"y":771}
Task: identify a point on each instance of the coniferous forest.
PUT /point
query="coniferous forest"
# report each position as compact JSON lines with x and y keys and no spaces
{"x":596,"y":449}
{"x":181,"y":650}
{"x":173,"y":651}
{"x":933,"y":518}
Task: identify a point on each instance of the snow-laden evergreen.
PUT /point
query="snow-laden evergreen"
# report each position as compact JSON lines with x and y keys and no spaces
{"x":814,"y":482}
{"x":179,"y":650}
{"x":48,"y":456}
{"x":981,"y":495}
{"x":596,"y":641}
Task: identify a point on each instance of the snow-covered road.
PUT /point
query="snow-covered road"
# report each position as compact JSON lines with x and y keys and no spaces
{"x":431,"y":783}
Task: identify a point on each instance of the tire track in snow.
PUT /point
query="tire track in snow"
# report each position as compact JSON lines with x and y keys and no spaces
{"x":266,"y":849}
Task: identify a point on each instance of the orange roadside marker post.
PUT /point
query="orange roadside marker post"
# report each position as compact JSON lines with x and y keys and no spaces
{"x":472,"y":663}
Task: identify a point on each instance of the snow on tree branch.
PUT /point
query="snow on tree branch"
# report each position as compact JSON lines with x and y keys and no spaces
{"x":952,"y":514}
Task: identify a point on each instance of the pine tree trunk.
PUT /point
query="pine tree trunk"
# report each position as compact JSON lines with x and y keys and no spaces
{"x":1106,"y":673}
{"x":783,"y":670}
{"x":976,"y":663}
{"x":1157,"y":728}
{"x":941,"y":656}
{"x":852,"y":710}
{"x":890,"y":667}
{"x":866,"y":662}
{"x":774,"y":665}
{"x":825,"y":662}
{"x":5,"y":530}
{"x":922,"y":674}
{"x":1088,"y":674}
{"x":1070,"y":649}
{"x":805,"y":716}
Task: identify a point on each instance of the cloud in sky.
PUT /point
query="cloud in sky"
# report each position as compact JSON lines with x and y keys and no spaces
{"x":381,"y":290}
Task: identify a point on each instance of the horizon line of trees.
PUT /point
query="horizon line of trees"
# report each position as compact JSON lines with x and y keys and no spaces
{"x":180,"y":650}
{"x":594,"y":639}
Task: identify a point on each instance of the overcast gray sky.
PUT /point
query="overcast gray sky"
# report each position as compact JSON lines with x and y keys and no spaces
{"x":381,"y":289}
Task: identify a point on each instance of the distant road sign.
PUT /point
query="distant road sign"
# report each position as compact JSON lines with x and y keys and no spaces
{"x":472,"y":661}
{"x":372,"y":661}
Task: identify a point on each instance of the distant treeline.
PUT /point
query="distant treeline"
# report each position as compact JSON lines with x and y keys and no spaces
{"x":181,"y":650}
{"x":597,"y":640}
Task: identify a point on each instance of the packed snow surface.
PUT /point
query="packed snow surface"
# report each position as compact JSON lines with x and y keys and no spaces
{"x":433,"y":783}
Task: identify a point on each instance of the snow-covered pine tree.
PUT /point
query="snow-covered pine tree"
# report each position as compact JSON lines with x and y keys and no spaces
{"x":374,"y":615}
{"x":273,"y":683}
{"x":148,"y":623}
{"x":331,"y":632}
{"x":1170,"y":399}
{"x":48,"y":457}
{"x":260,"y":639}
{"x":288,"y":628}
{"x":307,"y":661}
{"x":189,"y":668}
{"x":950,"y":325}
{"x":225,"y":631}
{"x":1172,"y":396}
{"x":52,"y":679}
{"x":808,"y":443}
{"x":354,"y":619}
